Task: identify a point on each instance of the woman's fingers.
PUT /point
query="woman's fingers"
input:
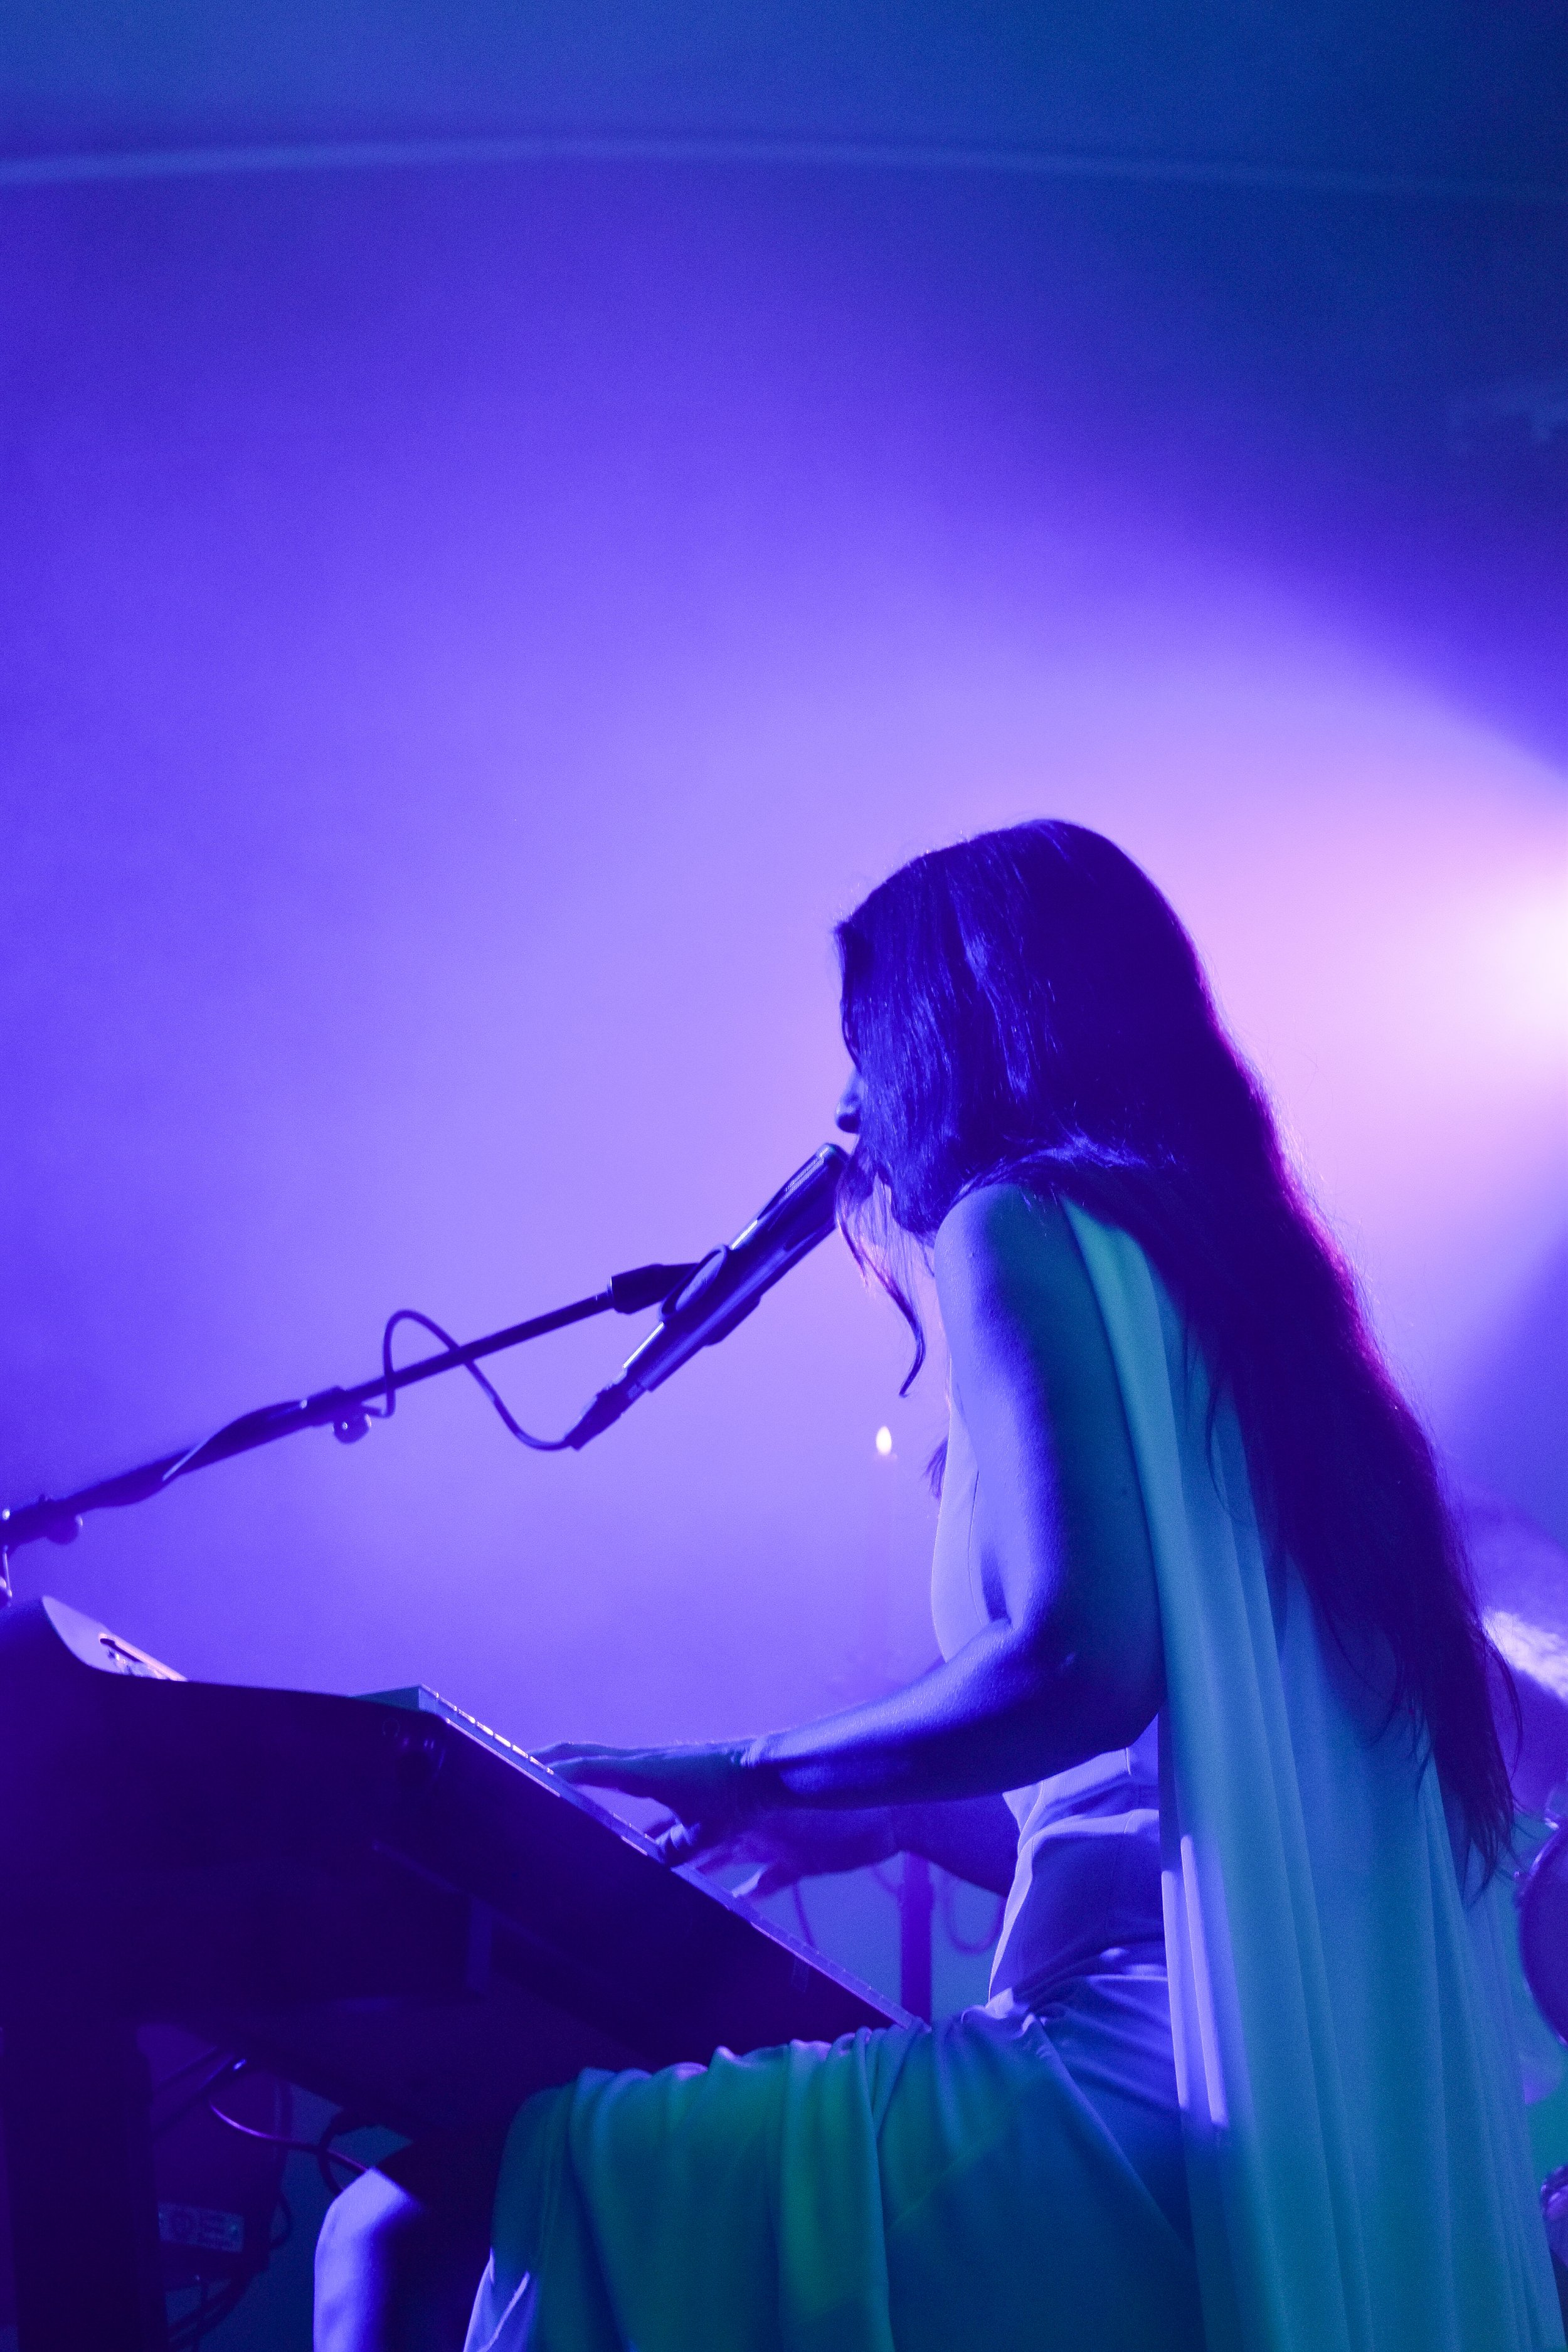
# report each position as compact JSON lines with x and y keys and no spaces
{"x":574,"y":1759}
{"x":685,"y":1840}
{"x":710,"y":1814}
{"x":771,"y":1878}
{"x":626,"y":1768}
{"x":775,"y":1877}
{"x":694,"y":1782}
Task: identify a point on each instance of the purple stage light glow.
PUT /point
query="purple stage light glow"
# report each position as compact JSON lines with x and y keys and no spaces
{"x":474,"y":636}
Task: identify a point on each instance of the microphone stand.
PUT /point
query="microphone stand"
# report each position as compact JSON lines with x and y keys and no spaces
{"x":344,"y":1411}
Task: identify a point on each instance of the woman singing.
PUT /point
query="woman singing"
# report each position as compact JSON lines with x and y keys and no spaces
{"x":1214,"y":1703}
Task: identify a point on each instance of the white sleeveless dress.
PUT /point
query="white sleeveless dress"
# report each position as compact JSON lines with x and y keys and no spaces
{"x":1083,"y":1943}
{"x":1334,"y":2034}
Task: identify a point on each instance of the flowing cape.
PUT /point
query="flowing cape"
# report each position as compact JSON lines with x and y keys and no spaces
{"x":918,"y":2188}
{"x":1356,"y":2144}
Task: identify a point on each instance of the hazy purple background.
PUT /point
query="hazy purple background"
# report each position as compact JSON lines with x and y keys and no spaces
{"x":467,"y":637}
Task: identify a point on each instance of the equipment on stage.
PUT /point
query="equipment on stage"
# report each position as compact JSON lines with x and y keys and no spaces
{"x":1543,"y":1896}
{"x":384,"y":1903}
{"x":377,"y":1899}
{"x":701,"y":1304}
{"x":725,"y":1287}
{"x":1520,"y":1577}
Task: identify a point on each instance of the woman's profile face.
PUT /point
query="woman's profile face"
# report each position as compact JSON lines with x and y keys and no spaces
{"x":847,"y":1118}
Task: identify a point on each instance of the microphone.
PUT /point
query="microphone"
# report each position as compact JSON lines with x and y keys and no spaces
{"x":725,"y":1287}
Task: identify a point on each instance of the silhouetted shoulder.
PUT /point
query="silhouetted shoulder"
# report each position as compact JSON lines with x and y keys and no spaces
{"x":1007,"y":1264}
{"x":1064,"y":1540}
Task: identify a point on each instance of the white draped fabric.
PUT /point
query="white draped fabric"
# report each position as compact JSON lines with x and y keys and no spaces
{"x":1356,"y":2144}
{"x":1355,"y":2134}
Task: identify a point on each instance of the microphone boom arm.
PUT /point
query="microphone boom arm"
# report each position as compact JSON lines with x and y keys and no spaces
{"x":58,"y":1519}
{"x":800,"y":1214}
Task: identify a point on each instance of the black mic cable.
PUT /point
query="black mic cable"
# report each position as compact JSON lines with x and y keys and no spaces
{"x":700,"y":1304}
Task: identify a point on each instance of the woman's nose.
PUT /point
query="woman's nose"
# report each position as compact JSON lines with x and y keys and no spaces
{"x":847,"y":1118}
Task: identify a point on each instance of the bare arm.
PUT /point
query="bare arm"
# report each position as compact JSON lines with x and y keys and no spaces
{"x":1071,"y":1661}
{"x":973,"y":1838}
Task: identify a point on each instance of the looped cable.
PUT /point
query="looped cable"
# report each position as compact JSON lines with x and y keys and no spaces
{"x":384,"y":1411}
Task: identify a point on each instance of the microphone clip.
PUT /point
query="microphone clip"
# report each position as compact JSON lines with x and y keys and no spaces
{"x":718,"y":1294}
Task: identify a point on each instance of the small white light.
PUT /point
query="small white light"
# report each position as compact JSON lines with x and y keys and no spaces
{"x":884,"y":1441}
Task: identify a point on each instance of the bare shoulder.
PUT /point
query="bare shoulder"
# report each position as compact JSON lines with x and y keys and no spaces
{"x":1006,"y":1255}
{"x":1003,"y":1218}
{"x":1033,"y":1368}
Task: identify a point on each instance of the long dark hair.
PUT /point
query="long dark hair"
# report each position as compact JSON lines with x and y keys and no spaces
{"x":1025,"y":1004}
